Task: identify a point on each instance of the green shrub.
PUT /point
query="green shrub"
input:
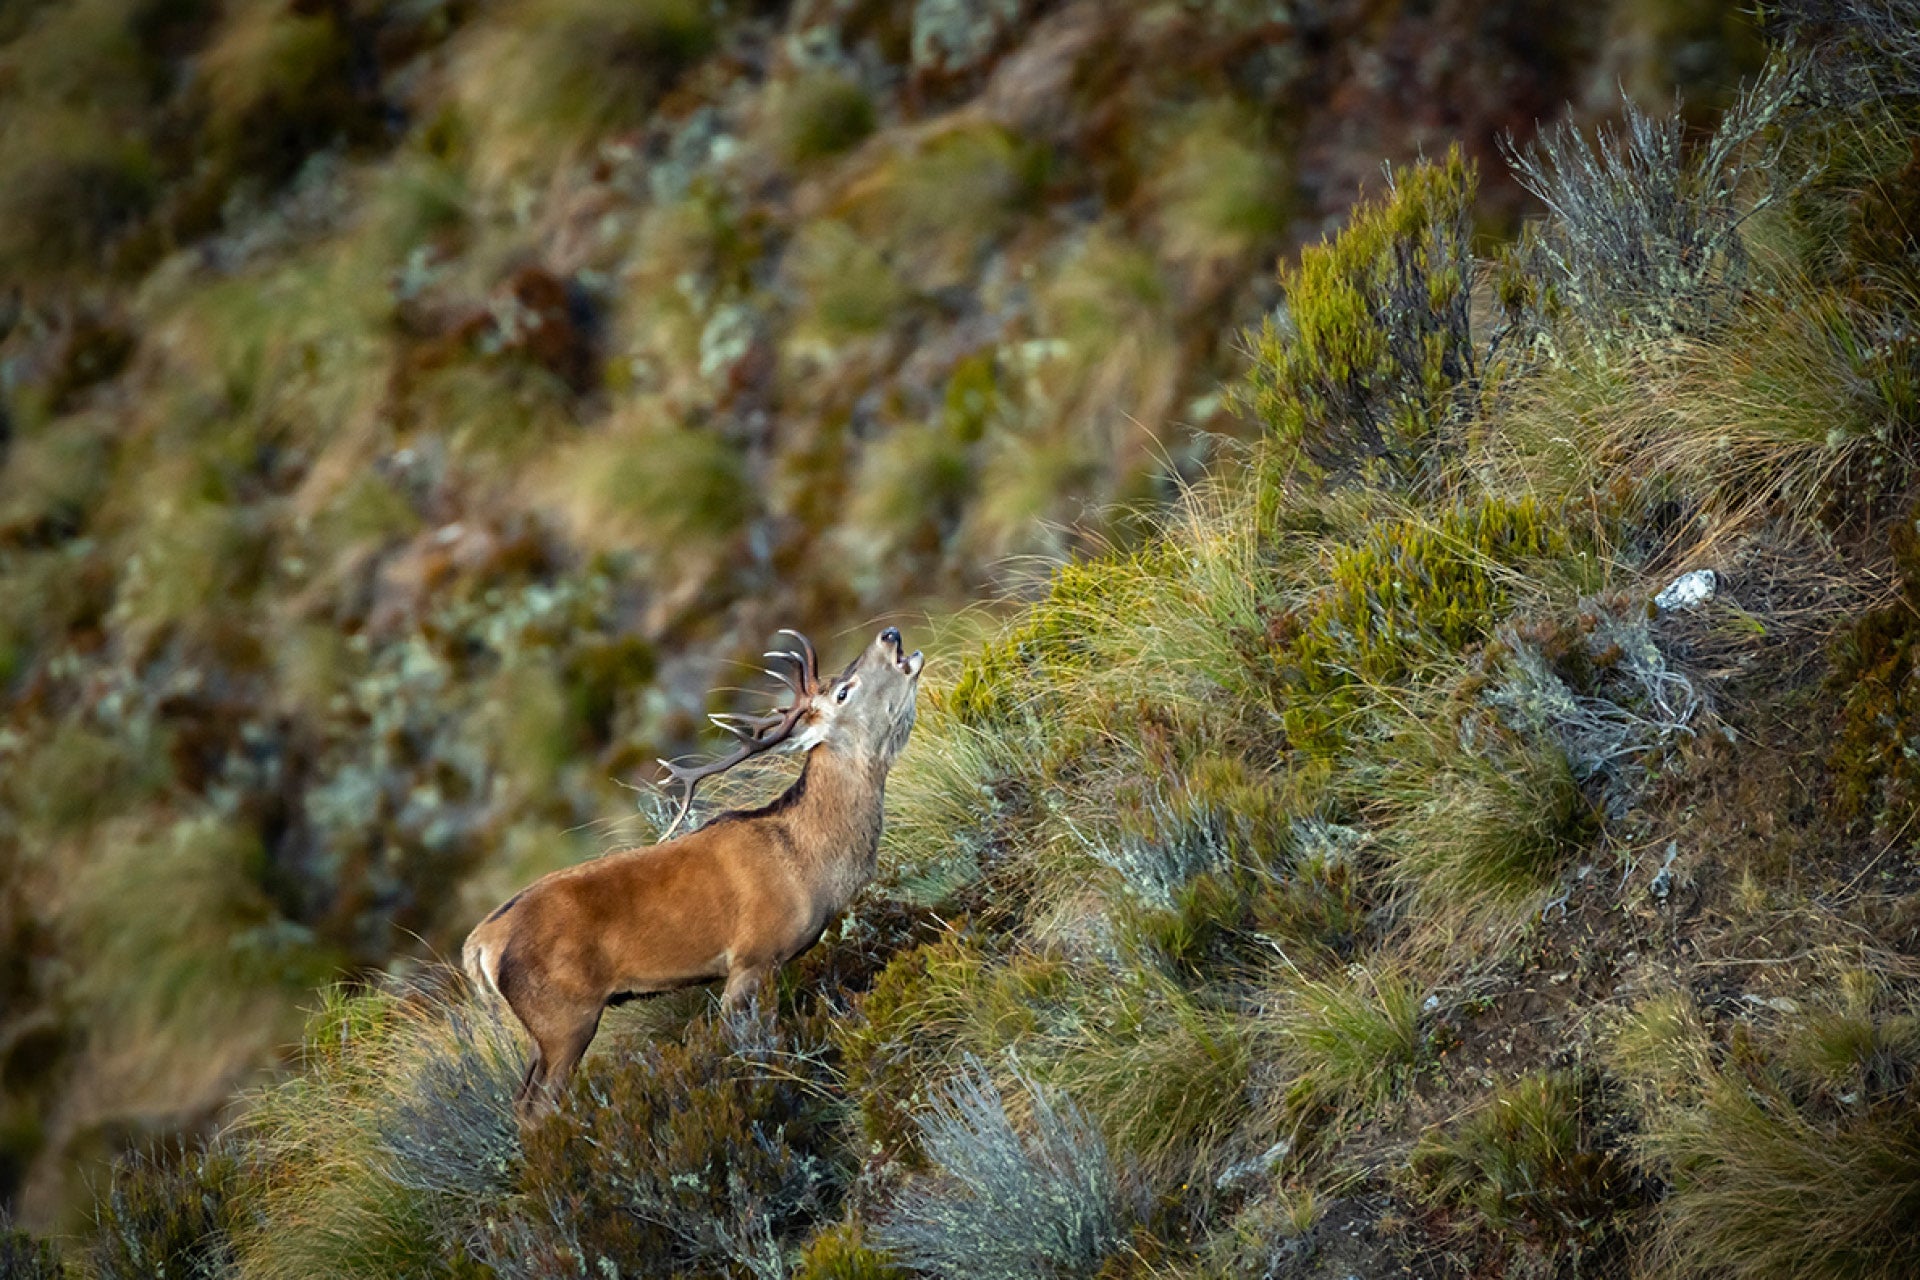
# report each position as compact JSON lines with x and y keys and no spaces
{"x":1403,"y":597}
{"x":1373,"y":359}
{"x":1531,"y":1172}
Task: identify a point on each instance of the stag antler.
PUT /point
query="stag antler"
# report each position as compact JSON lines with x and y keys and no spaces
{"x":757,"y":734}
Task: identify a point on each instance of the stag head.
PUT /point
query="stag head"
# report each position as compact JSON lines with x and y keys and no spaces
{"x":865,"y":713}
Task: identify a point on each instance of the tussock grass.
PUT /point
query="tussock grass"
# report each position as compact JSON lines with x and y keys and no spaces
{"x":1220,"y":188}
{"x":183,"y":941}
{"x":649,"y":482}
{"x":1531,"y":1166}
{"x":392,"y":1146}
{"x":1489,"y":832}
{"x":1347,"y":1042}
{"x":820,"y":115}
{"x":70,"y":183}
{"x":1792,"y":1150}
{"x":545,"y":79}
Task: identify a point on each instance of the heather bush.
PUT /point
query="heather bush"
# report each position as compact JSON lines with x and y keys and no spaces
{"x":713,"y":1154}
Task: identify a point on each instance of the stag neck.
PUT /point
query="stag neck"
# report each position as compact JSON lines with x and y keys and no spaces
{"x":834,"y":808}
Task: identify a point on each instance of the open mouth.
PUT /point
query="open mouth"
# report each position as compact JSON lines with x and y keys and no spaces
{"x":908,"y":664}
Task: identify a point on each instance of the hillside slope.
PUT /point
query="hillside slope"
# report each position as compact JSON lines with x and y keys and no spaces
{"x":411,"y":410}
{"x":1471,"y":837}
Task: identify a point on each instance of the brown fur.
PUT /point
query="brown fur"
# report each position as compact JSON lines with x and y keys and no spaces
{"x":733,"y":900}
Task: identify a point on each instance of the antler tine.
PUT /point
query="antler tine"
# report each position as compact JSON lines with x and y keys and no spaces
{"x":746,"y":728}
{"x":794,"y":682}
{"x":812,"y":668}
{"x":756,"y":733}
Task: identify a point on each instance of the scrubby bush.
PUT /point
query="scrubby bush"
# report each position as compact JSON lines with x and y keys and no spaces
{"x":1646,"y":234}
{"x":171,"y":1214}
{"x":1373,"y":359}
{"x":999,"y":1202}
{"x":713,"y":1154}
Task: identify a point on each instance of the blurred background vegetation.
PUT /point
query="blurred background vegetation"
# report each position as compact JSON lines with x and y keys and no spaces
{"x":414,"y":409}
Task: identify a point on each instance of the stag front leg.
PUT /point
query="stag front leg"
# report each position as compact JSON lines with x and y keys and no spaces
{"x":559,"y":1043}
{"x":743,"y":983}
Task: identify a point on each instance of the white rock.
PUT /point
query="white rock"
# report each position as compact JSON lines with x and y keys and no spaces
{"x":1688,"y":591}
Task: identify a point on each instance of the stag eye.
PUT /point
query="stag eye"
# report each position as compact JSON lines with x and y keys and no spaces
{"x":845,"y":689}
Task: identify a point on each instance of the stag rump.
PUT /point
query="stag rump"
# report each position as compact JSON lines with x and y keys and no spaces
{"x":734,"y":899}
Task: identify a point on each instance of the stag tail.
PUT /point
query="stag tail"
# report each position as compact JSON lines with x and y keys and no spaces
{"x":481,"y":969}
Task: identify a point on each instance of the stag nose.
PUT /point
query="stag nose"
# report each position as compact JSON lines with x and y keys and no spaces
{"x":891,"y":636}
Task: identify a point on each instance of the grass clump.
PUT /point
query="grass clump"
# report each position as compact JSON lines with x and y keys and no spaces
{"x":1793,"y":1151}
{"x":278,"y":84}
{"x":1529,"y":1173}
{"x":822,"y":114}
{"x":70,"y":186}
{"x":1349,"y":1041}
{"x":546,"y":77}
{"x":1491,"y":831}
{"x":390,"y":1150}
{"x":998,"y":1202}
{"x":1873,"y":755}
{"x":668,"y":488}
{"x":850,"y":285}
{"x":841,"y":1252}
{"x":1221,"y":193}
{"x":1373,"y":358}
{"x":949,"y":199}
